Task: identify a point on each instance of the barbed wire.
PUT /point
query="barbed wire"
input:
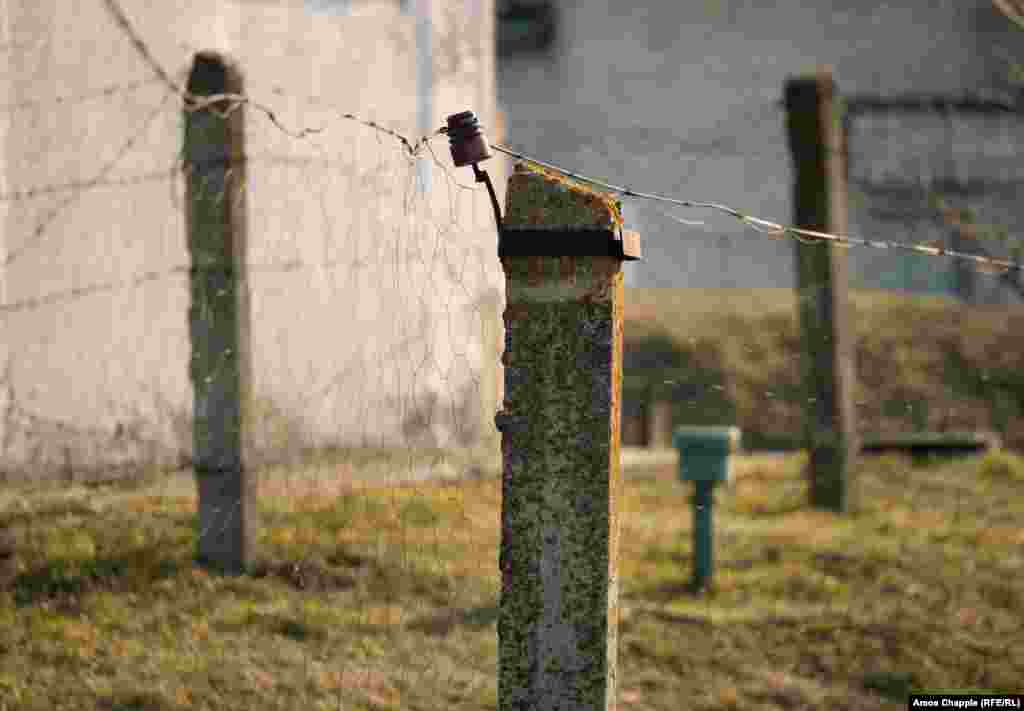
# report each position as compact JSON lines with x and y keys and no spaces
{"x":14,"y":46}
{"x":775,"y":229}
{"x":64,"y":296}
{"x":162,"y":174}
{"x":97,"y":93}
{"x":121,"y":19}
{"x":413,"y":149}
{"x":81,"y":185}
{"x":61,"y":297}
{"x":197,"y":103}
{"x":758,"y":224}
{"x":39,"y":233}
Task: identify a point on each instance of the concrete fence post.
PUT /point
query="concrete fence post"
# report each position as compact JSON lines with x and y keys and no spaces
{"x":633,"y":434}
{"x":814,"y":123}
{"x":561,"y":247}
{"x":219,"y":324}
{"x":964,"y":281}
{"x":659,"y":423}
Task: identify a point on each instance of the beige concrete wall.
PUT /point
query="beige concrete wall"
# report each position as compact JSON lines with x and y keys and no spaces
{"x":382,"y":307}
{"x":5,"y":386}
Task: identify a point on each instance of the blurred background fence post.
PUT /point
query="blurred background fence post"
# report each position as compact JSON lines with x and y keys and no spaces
{"x":561,"y":248}
{"x":219,"y":326}
{"x":814,"y":124}
{"x":659,"y":422}
{"x":633,"y":430}
{"x":963,"y":271}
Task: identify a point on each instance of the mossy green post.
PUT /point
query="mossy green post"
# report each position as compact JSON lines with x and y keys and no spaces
{"x":816,"y":141}
{"x":220,"y":368}
{"x":560,"y":450}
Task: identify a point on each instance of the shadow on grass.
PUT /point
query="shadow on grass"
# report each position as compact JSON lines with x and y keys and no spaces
{"x":313,"y":574}
{"x":672,"y":591}
{"x":895,"y":686}
{"x":138,"y":701}
{"x":65,"y":580}
{"x":441,"y":625}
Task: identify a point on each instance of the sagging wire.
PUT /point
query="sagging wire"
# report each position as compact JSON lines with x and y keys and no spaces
{"x":773,"y":229}
{"x":212,"y":102}
{"x":100,"y":92}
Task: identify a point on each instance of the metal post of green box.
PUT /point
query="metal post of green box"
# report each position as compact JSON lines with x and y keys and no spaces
{"x":705,"y":459}
{"x":561,"y":246}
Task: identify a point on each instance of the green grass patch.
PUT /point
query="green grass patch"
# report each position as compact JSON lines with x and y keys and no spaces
{"x":388,"y":597}
{"x":733,"y":356}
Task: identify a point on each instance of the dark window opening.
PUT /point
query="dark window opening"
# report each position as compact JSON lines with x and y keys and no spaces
{"x":525,"y":26}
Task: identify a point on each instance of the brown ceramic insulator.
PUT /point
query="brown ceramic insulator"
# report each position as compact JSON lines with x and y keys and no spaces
{"x":468,"y":144}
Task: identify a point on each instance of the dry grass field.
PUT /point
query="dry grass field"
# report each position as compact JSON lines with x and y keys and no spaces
{"x":922,"y":363}
{"x":386,"y":597}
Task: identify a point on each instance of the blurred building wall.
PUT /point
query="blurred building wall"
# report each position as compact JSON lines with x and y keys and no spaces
{"x":683,"y":99}
{"x":381,"y":335}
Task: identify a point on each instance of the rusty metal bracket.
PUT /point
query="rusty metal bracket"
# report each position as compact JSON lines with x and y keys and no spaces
{"x":469,"y":147}
{"x":483,"y":177}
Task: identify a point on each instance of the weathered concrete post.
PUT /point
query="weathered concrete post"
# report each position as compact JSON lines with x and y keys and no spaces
{"x":819,"y":202}
{"x":633,"y":434}
{"x":219,"y":319}
{"x":561,"y":246}
{"x":659,"y":423}
{"x":963,"y":238}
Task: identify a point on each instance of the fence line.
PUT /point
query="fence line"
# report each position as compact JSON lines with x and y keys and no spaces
{"x":99,"y":92}
{"x":774,"y":229}
{"x":81,"y":185}
{"x":149,"y":276}
{"x":819,"y":200}
{"x":197,"y":103}
{"x":768,"y":227}
{"x":297,"y":259}
{"x":413,"y":147}
{"x":985,"y":263}
{"x":595,"y":521}
{"x":39,"y":233}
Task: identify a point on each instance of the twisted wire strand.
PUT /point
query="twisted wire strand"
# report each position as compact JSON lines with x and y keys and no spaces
{"x":56,"y":188}
{"x":774,"y":229}
{"x":101,"y":92}
{"x":212,"y":102}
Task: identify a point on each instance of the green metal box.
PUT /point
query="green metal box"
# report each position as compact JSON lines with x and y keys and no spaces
{"x":704,"y":452}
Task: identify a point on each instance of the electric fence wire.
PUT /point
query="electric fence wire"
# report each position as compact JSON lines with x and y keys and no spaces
{"x":774,"y":229}
{"x":413,"y":149}
{"x":767,"y":227}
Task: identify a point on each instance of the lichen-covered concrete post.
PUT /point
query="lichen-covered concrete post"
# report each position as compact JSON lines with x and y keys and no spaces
{"x":814,"y":122}
{"x":220,"y":369}
{"x":561,"y":245}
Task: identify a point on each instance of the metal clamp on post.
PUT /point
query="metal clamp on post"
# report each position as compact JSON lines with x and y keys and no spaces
{"x":469,"y":146}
